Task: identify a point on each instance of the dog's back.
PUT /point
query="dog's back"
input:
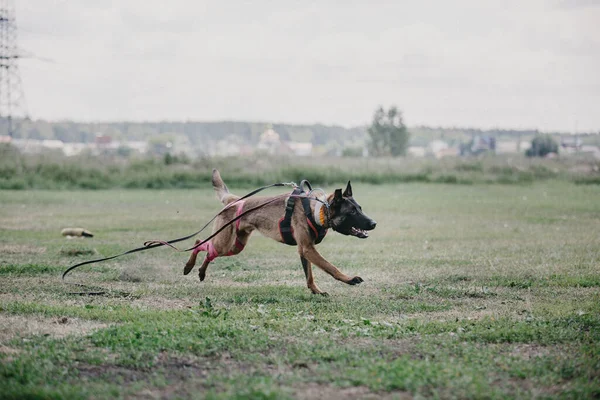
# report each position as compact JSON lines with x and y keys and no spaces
{"x":221,"y":189}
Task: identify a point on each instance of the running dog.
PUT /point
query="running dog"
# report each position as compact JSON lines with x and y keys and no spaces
{"x":282,"y":220}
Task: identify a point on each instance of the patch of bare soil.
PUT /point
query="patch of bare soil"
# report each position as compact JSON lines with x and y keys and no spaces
{"x":21,"y":249}
{"x":528,"y":351}
{"x":8,"y":352}
{"x":320,"y":391}
{"x":12,"y":326}
{"x":192,"y":375}
{"x":175,"y":369}
{"x":183,"y":374}
{"x":162,"y":303}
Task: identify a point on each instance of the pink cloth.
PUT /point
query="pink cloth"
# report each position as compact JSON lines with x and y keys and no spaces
{"x":209,"y":247}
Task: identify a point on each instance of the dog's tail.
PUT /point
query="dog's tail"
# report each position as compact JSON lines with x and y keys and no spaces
{"x":221,"y":189}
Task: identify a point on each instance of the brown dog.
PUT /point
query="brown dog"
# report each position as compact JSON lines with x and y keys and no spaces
{"x":307,"y":223}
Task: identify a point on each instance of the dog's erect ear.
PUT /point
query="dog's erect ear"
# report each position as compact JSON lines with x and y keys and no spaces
{"x":348,"y":191}
{"x":337,"y":195}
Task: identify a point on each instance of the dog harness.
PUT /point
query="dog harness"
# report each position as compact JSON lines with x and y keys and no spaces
{"x":317,"y":231}
{"x":209,"y":247}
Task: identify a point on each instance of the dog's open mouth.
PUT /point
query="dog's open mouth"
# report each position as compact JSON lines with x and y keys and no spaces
{"x":359,"y":233}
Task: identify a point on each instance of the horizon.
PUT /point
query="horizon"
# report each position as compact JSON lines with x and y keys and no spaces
{"x":365,"y":126}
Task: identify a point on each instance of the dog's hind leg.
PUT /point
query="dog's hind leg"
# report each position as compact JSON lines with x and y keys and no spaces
{"x":211,"y":255}
{"x":218,"y":247}
{"x":312,"y":255}
{"x":192,"y":261}
{"x":202,"y":270}
{"x":309,"y":277}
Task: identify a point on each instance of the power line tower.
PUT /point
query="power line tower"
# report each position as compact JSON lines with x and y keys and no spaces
{"x":12,"y":99}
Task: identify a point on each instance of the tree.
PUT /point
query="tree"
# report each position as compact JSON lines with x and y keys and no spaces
{"x":541,"y":146}
{"x":389,"y":136}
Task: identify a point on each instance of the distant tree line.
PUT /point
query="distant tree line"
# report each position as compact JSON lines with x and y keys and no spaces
{"x":387,"y":134}
{"x":197,"y":132}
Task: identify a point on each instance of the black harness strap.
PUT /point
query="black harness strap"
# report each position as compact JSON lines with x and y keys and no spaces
{"x":317,"y":232}
{"x":285,"y":223}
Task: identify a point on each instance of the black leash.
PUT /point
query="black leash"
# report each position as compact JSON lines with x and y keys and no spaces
{"x":159,"y":244}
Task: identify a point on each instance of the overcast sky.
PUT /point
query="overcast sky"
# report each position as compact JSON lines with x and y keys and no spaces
{"x":509,"y":64}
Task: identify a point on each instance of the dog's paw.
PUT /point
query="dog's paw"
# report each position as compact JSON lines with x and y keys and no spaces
{"x":355,"y":281}
{"x":188,"y":268}
{"x":201,"y":275}
{"x":324,"y":294}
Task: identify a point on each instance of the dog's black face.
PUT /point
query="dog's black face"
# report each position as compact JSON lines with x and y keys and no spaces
{"x":347,"y":216}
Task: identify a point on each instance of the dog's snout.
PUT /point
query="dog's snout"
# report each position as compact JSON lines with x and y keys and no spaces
{"x":373,"y":224}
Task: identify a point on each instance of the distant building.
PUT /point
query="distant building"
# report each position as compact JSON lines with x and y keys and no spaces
{"x":140,"y":147}
{"x":102,"y":140}
{"x":593,"y":150}
{"x":573,"y":143}
{"x":504,"y":147}
{"x":28,"y":146}
{"x":271,"y":143}
{"x":73,"y":149}
{"x":479,"y":144}
{"x":227,"y":147}
{"x":103,"y":144}
{"x":447,"y":152}
{"x":436,"y":146}
{"x":417,"y":151}
{"x":303,"y":149}
{"x":52,"y":144}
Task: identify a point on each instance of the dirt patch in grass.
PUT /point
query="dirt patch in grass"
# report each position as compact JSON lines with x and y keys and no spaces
{"x":8,"y":353}
{"x":320,"y":391}
{"x":76,"y":252}
{"x":130,"y":277}
{"x":13,"y":326}
{"x":183,"y":375}
{"x":456,"y":315}
{"x":175,"y":368}
{"x":110,"y":372}
{"x":193,"y":375}
{"x":395,"y":347}
{"x":21,"y":249}
{"x":162,"y":303}
{"x":176,"y":371}
{"x":528,"y":351}
{"x":142,"y":302}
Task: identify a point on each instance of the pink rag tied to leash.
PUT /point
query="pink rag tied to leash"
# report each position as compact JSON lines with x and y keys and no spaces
{"x":209,"y":247}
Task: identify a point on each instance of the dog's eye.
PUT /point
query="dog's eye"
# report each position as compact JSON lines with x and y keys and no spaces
{"x":353,"y":211}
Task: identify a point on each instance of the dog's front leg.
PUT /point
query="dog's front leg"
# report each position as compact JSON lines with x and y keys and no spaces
{"x":310,"y":282}
{"x":312,"y":255}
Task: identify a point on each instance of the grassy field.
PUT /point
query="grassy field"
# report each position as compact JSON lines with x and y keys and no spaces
{"x":50,"y":171}
{"x":471,"y":291}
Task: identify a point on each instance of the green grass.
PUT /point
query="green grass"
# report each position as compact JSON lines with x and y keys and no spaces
{"x":53,"y":172}
{"x":473,"y":291}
